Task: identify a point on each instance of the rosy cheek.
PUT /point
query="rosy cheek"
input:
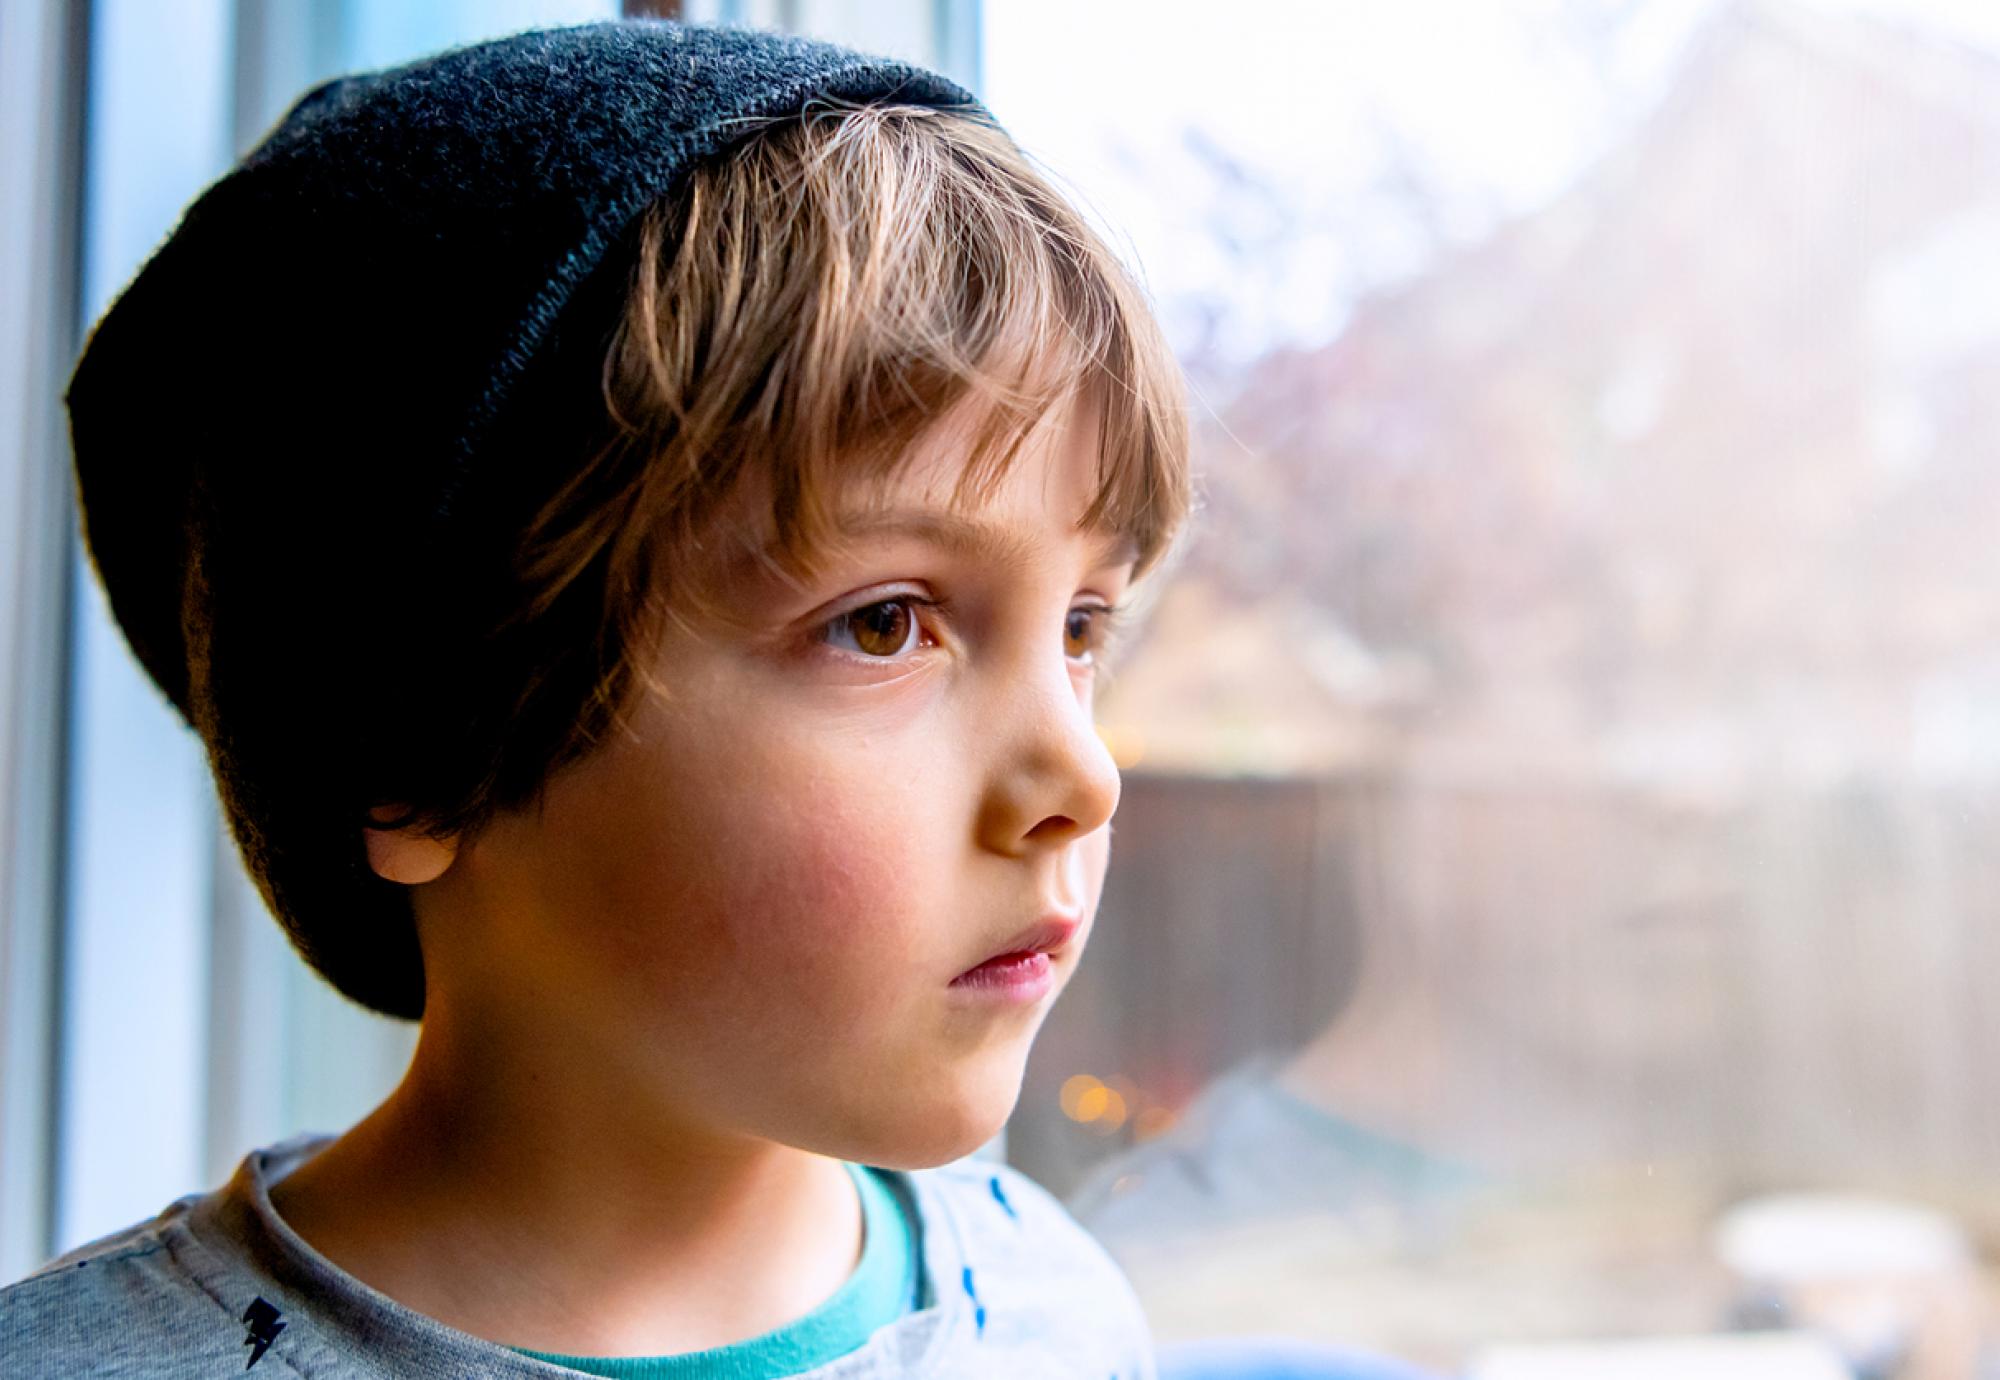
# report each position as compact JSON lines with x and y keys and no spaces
{"x":789,"y":870}
{"x":829,"y":885}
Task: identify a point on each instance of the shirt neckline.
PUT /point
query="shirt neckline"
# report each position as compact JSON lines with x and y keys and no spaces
{"x":876,"y":1292}
{"x":237,"y":1248}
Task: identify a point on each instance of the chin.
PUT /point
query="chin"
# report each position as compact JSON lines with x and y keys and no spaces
{"x":945,"y":1129}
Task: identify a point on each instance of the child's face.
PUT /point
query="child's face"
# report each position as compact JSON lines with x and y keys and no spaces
{"x":752,"y":911}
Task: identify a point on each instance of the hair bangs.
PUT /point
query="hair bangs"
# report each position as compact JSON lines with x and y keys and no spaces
{"x":836,"y":289}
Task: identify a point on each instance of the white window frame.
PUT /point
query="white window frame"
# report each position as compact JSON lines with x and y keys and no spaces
{"x":41,"y":117}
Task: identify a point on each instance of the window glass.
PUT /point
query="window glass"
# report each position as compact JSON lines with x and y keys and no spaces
{"x":1551,"y":894}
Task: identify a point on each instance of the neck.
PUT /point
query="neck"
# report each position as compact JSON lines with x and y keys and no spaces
{"x":515,"y":1190}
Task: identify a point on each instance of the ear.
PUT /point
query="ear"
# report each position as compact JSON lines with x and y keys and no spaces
{"x":406,"y":856}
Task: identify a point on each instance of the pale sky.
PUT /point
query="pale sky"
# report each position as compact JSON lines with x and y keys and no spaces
{"x":1495,"y":102}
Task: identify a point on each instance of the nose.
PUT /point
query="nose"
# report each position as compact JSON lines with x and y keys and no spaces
{"x":1051,"y":778}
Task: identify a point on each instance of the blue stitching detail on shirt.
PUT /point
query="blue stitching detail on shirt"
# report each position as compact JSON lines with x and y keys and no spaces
{"x":978,"y":1308}
{"x":995,"y":1182}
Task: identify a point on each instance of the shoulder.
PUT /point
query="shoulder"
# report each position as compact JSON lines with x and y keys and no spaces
{"x":1036,"y":1274}
{"x":120,"y":1306}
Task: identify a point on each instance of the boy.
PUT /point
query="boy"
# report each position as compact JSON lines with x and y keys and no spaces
{"x":633,"y":512}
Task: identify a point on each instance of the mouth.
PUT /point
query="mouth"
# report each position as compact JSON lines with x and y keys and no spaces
{"x":1049,"y":935}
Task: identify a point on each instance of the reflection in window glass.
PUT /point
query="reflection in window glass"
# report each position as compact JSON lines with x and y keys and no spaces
{"x":1551,"y":906}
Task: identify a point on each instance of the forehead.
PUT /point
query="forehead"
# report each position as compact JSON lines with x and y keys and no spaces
{"x":979,"y":536}
{"x":1033,"y":509}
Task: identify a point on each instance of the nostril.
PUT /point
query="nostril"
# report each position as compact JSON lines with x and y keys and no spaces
{"x":1054,"y":827}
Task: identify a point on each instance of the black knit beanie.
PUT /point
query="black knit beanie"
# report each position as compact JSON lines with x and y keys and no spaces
{"x":290,"y":423}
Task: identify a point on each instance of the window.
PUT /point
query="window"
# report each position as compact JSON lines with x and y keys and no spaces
{"x":1551,"y":883}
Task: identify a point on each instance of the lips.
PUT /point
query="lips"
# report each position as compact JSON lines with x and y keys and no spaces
{"x":1047,"y":935}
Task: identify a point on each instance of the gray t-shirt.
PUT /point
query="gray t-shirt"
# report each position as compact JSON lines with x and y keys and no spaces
{"x":1015,"y":1287}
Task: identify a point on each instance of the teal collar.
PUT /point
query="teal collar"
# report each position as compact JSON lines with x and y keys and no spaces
{"x":883,"y":1287}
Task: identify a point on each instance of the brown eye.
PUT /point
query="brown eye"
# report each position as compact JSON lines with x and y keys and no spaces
{"x":879,"y":630}
{"x":1083,"y":631}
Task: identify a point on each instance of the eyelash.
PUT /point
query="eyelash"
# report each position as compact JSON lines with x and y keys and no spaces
{"x":1107,"y":626}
